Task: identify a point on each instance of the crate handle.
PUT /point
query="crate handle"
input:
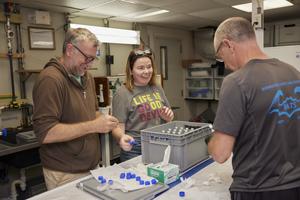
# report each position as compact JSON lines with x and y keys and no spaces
{"x":157,"y":140}
{"x":289,"y":25}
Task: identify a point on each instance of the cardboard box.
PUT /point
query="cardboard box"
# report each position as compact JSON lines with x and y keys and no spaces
{"x":164,"y":174}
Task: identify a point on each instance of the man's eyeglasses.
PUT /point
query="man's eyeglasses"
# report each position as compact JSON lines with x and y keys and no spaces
{"x":88,"y":59}
{"x":217,"y":52}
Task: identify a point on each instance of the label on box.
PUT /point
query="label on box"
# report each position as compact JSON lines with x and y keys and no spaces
{"x":166,"y":174}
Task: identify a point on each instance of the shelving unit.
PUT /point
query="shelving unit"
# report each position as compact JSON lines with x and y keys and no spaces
{"x":217,"y":86}
{"x":202,"y":82}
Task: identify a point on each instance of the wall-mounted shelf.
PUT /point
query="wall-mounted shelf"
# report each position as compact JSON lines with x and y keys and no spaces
{"x":199,"y":82}
{"x":15,"y":55}
{"x":202,"y":82}
{"x":26,"y":73}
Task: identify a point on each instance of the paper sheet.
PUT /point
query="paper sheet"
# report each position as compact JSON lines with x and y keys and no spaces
{"x":113,"y":173}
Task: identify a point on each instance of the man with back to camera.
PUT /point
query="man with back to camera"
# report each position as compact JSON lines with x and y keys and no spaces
{"x":258,"y":117}
{"x":65,"y":118}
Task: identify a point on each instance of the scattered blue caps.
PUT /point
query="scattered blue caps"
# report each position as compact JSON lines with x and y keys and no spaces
{"x":110,"y":182}
{"x":122,"y":175}
{"x":103,"y":181}
{"x":100,"y":178}
{"x":142,"y":182}
{"x":138,"y":178}
{"x":128,"y":175}
{"x":147,"y":182}
{"x":133,"y":142}
{"x":181,"y":193}
{"x":153,"y":181}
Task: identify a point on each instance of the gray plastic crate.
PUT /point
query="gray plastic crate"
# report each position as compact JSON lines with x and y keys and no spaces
{"x":188,"y":147}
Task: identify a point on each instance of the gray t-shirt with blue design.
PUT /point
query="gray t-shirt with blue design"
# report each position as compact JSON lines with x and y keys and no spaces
{"x":260,"y":106}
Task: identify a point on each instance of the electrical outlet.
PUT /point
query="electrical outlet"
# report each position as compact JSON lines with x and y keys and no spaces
{"x":257,"y":21}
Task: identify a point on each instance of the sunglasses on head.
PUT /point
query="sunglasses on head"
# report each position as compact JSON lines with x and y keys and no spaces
{"x":134,"y":55}
{"x":146,"y":52}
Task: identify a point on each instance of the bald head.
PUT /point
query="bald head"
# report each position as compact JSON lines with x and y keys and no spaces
{"x":236,"y":29}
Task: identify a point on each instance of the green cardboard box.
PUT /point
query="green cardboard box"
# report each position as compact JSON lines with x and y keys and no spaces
{"x":164,"y":174}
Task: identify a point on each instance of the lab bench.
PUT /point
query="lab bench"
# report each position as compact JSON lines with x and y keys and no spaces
{"x":7,"y":149}
{"x":200,"y":173}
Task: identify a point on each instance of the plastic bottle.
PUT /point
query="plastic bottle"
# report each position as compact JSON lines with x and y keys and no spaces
{"x":101,"y":96}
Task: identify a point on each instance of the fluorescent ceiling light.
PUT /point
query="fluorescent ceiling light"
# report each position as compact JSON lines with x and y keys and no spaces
{"x":146,"y":13}
{"x":112,"y":35}
{"x":268,"y":4}
{"x":129,"y":1}
{"x":152,"y":13}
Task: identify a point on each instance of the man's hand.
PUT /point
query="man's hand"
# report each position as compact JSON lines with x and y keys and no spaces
{"x":125,"y":142}
{"x":105,"y":123}
{"x":166,"y":114}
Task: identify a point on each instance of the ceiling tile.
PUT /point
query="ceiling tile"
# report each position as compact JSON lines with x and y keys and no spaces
{"x":192,"y":6}
{"x":219,"y":14}
{"x":182,"y":20}
{"x":117,"y":8}
{"x":232,"y":2}
{"x":292,"y":12}
{"x":155,"y":3}
{"x":75,"y":4}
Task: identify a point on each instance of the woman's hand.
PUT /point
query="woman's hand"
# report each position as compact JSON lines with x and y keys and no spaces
{"x":166,"y":114}
{"x":124,"y":142}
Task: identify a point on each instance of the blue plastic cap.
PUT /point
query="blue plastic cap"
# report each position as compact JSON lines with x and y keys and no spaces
{"x":147,"y":182}
{"x":154,"y":181}
{"x":122,"y":175}
{"x":100,"y":178}
{"x":132,"y":142}
{"x":128,"y":175}
{"x":133,"y":175}
{"x":181,"y":193}
{"x":103,"y":181}
{"x":142,"y":182}
{"x":138,"y":178}
{"x":110,"y":182}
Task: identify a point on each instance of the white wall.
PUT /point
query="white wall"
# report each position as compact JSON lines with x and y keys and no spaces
{"x":288,"y":54}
